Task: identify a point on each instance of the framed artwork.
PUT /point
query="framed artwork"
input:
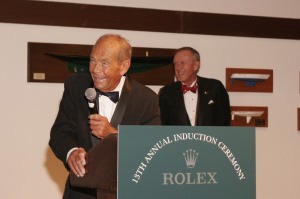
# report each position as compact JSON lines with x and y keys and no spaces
{"x":249,"y":80}
{"x":249,"y":116}
{"x":53,"y":63}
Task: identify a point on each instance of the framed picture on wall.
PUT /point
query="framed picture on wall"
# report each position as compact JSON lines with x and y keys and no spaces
{"x":54,"y":62}
{"x":249,"y":116}
{"x":249,"y":80}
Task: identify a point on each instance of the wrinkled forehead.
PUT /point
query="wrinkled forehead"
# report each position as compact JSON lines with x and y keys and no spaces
{"x":112,"y":46}
{"x":107,"y":42}
{"x":183,"y":55}
{"x":105,"y":48}
{"x":188,"y":51}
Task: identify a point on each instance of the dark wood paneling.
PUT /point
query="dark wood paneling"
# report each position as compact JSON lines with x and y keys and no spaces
{"x":140,"y":19}
{"x":238,"y":25}
{"x":44,"y":68}
{"x":89,"y":16}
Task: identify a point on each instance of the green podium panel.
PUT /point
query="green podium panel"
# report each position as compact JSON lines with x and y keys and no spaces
{"x":183,"y":162}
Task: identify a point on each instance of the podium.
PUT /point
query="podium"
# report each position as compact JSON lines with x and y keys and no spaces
{"x":174,"y":162}
{"x":101,"y":169}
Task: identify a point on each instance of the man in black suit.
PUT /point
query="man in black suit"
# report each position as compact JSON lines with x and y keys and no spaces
{"x":193,"y":100}
{"x":76,"y":131}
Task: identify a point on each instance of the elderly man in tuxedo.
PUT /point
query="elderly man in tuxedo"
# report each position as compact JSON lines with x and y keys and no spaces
{"x":193,"y":100}
{"x":76,"y":131}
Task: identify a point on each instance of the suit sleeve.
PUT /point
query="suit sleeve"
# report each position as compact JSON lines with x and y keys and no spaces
{"x":152,"y":112}
{"x":155,"y":118}
{"x":163,"y":107}
{"x":63,"y":131}
{"x":224,"y":112}
{"x":142,"y":107}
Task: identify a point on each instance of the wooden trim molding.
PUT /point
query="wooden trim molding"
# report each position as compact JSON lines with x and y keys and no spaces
{"x":141,"y":19}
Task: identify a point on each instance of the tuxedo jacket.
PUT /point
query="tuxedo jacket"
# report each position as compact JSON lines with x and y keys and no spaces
{"x":213,"y":107}
{"x":138,"y":105}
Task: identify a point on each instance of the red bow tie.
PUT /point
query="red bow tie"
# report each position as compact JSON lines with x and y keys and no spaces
{"x":186,"y":88}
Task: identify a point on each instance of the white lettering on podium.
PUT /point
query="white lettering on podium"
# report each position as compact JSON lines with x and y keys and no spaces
{"x":139,"y":172}
{"x":154,"y":149}
{"x":189,"y":178}
{"x":195,"y":136}
{"x":232,"y":159}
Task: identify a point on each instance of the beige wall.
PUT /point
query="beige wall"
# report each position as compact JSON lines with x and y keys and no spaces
{"x":30,"y":170}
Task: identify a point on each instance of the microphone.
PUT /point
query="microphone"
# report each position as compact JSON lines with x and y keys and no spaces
{"x":91,"y":96}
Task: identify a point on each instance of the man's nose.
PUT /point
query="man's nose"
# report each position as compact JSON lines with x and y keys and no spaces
{"x":178,"y":66}
{"x":97,"y":67}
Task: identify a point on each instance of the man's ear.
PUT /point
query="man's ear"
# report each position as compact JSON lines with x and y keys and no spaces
{"x":125,"y":66}
{"x":197,"y":66}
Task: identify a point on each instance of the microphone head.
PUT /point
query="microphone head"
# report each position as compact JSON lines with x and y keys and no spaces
{"x":90,"y":94}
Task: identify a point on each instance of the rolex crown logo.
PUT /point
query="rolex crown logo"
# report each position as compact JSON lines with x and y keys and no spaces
{"x":190,"y":157}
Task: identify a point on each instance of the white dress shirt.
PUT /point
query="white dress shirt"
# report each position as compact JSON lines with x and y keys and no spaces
{"x":190,"y":101}
{"x":106,"y":106}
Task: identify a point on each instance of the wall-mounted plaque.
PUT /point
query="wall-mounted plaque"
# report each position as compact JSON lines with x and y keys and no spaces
{"x":249,"y":116}
{"x":50,"y":62}
{"x":249,"y":80}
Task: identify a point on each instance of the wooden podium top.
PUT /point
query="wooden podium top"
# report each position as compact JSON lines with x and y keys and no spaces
{"x":101,"y":167}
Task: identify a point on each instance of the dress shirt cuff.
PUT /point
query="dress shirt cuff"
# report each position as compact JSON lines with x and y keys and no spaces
{"x":71,"y":150}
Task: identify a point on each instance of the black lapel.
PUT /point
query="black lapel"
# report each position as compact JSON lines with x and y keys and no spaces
{"x":122,"y":104}
{"x":202,"y":95}
{"x":199,"y":114}
{"x":182,"y":110}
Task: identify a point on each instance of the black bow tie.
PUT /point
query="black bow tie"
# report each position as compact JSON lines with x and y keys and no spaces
{"x":113,"y":96}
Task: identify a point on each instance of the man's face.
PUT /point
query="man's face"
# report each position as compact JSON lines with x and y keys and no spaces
{"x":105,"y":68}
{"x":186,"y":67}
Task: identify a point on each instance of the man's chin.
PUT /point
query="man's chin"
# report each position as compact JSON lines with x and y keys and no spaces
{"x":99,"y":86}
{"x":180,"y":79}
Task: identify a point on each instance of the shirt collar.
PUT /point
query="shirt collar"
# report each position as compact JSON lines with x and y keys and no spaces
{"x":120,"y":85}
